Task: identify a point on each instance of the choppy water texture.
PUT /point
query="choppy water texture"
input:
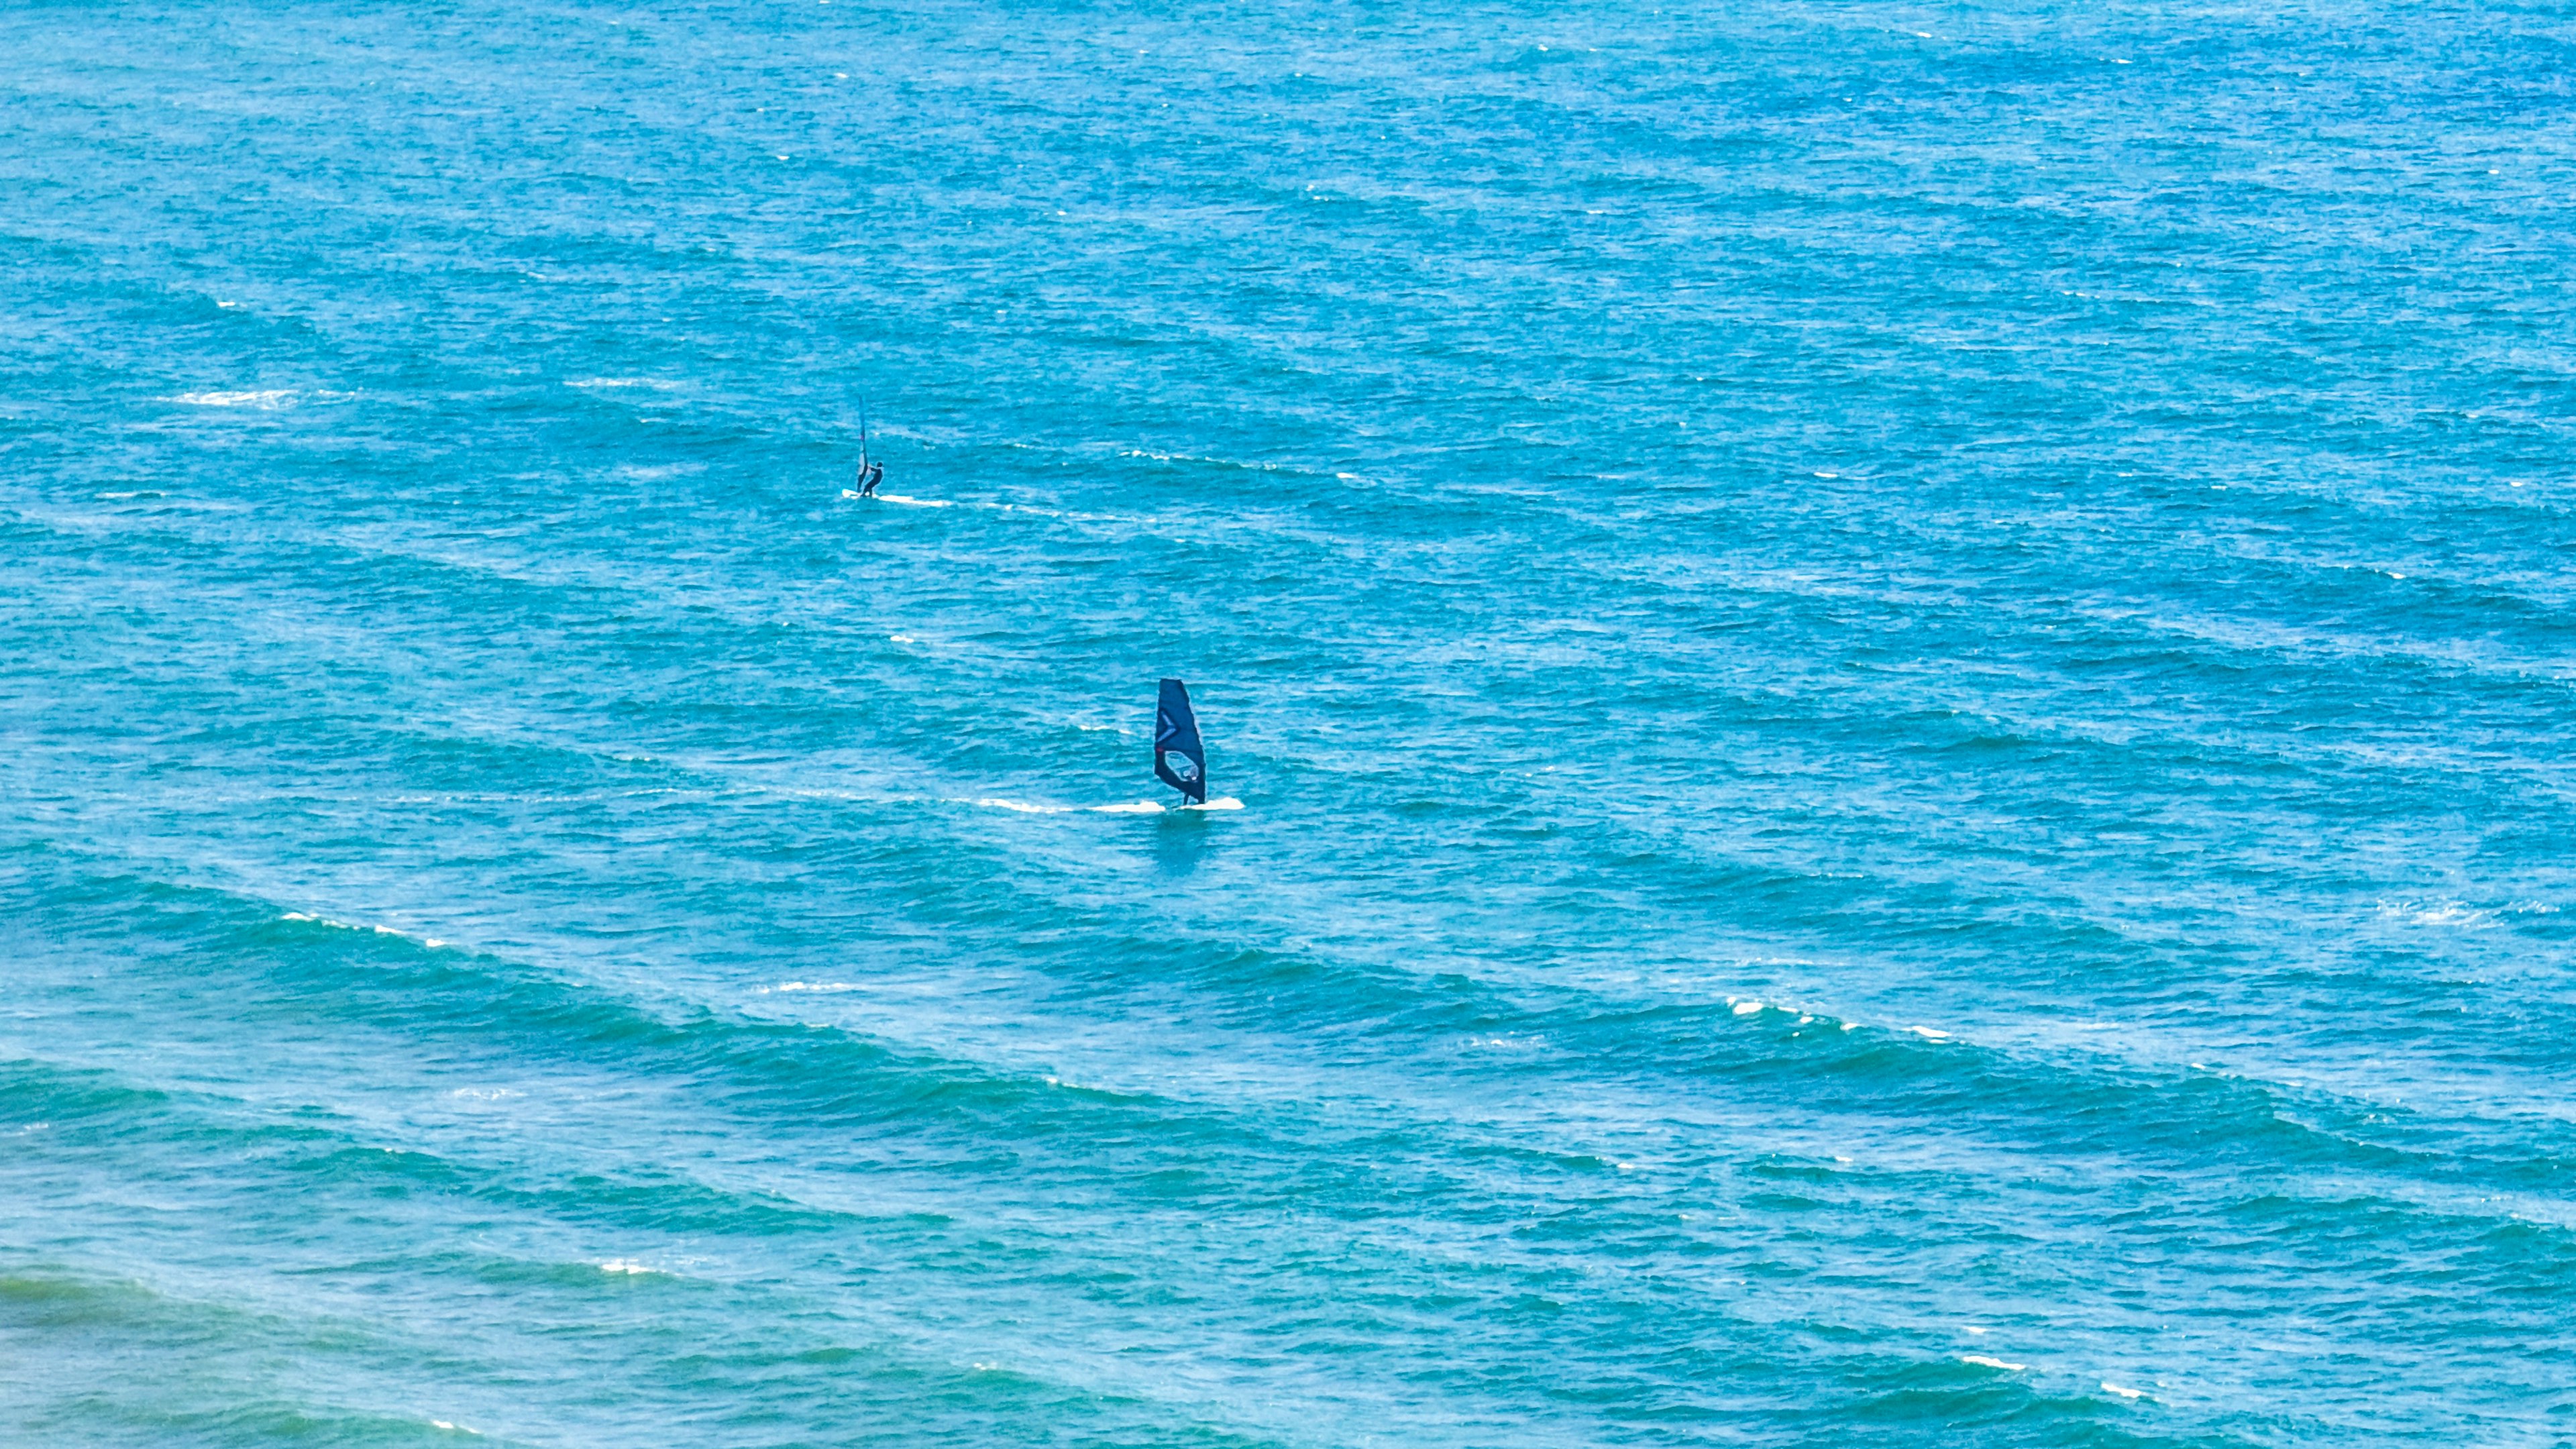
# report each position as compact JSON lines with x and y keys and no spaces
{"x":1900,"y":680}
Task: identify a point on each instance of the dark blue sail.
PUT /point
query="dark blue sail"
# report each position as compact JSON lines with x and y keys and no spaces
{"x":1178,"y":756}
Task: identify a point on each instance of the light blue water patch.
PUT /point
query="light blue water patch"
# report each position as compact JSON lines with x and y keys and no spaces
{"x":1899,"y":685}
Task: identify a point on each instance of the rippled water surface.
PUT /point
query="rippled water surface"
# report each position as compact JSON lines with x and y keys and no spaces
{"x":1899,"y":679}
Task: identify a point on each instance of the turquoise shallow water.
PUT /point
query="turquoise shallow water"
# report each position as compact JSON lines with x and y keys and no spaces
{"x":1900,"y":681}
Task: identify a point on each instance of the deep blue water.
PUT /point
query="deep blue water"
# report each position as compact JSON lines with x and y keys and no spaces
{"x":1900,"y":680}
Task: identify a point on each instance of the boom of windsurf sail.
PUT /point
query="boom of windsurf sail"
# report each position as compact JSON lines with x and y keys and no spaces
{"x":1179,"y":758}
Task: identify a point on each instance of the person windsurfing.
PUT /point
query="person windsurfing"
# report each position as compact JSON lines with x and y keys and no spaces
{"x":1180,"y":760}
{"x":870,"y":474}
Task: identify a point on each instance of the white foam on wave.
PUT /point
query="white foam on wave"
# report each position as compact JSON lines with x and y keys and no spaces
{"x":908,"y":501}
{"x":1196,"y":458}
{"x":1118,"y":807}
{"x":1984,"y":1362}
{"x":137,"y":493}
{"x":2437,"y":913}
{"x":268,"y":400}
{"x":337,"y":925}
{"x":811,"y":986}
{"x":630,"y":1268}
{"x":1929,"y":1033}
{"x":454,"y":1428}
{"x":2112,"y":1388}
{"x":1749,"y":1006}
{"x":432,"y":942}
{"x":654,"y":384}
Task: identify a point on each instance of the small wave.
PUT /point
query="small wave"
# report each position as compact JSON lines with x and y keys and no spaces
{"x":630,"y":1268}
{"x":813,"y":986}
{"x":609,"y":383}
{"x":2109,"y":1387}
{"x":336,"y":925}
{"x":1116,"y":807}
{"x":2437,"y":913}
{"x":1158,"y":457}
{"x":267,"y":401}
{"x":1982,"y":1361}
{"x":432,"y":942}
{"x":137,"y":493}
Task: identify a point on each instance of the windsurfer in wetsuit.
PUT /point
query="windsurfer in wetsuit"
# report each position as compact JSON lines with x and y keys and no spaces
{"x":875,"y":476}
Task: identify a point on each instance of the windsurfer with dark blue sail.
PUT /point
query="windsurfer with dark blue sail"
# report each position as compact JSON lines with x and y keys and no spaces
{"x":1179,"y":759}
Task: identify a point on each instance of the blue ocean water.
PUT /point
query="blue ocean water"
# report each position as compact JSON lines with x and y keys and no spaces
{"x":1899,"y":679}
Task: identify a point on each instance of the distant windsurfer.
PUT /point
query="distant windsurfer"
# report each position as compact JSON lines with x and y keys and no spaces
{"x":870,"y":474}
